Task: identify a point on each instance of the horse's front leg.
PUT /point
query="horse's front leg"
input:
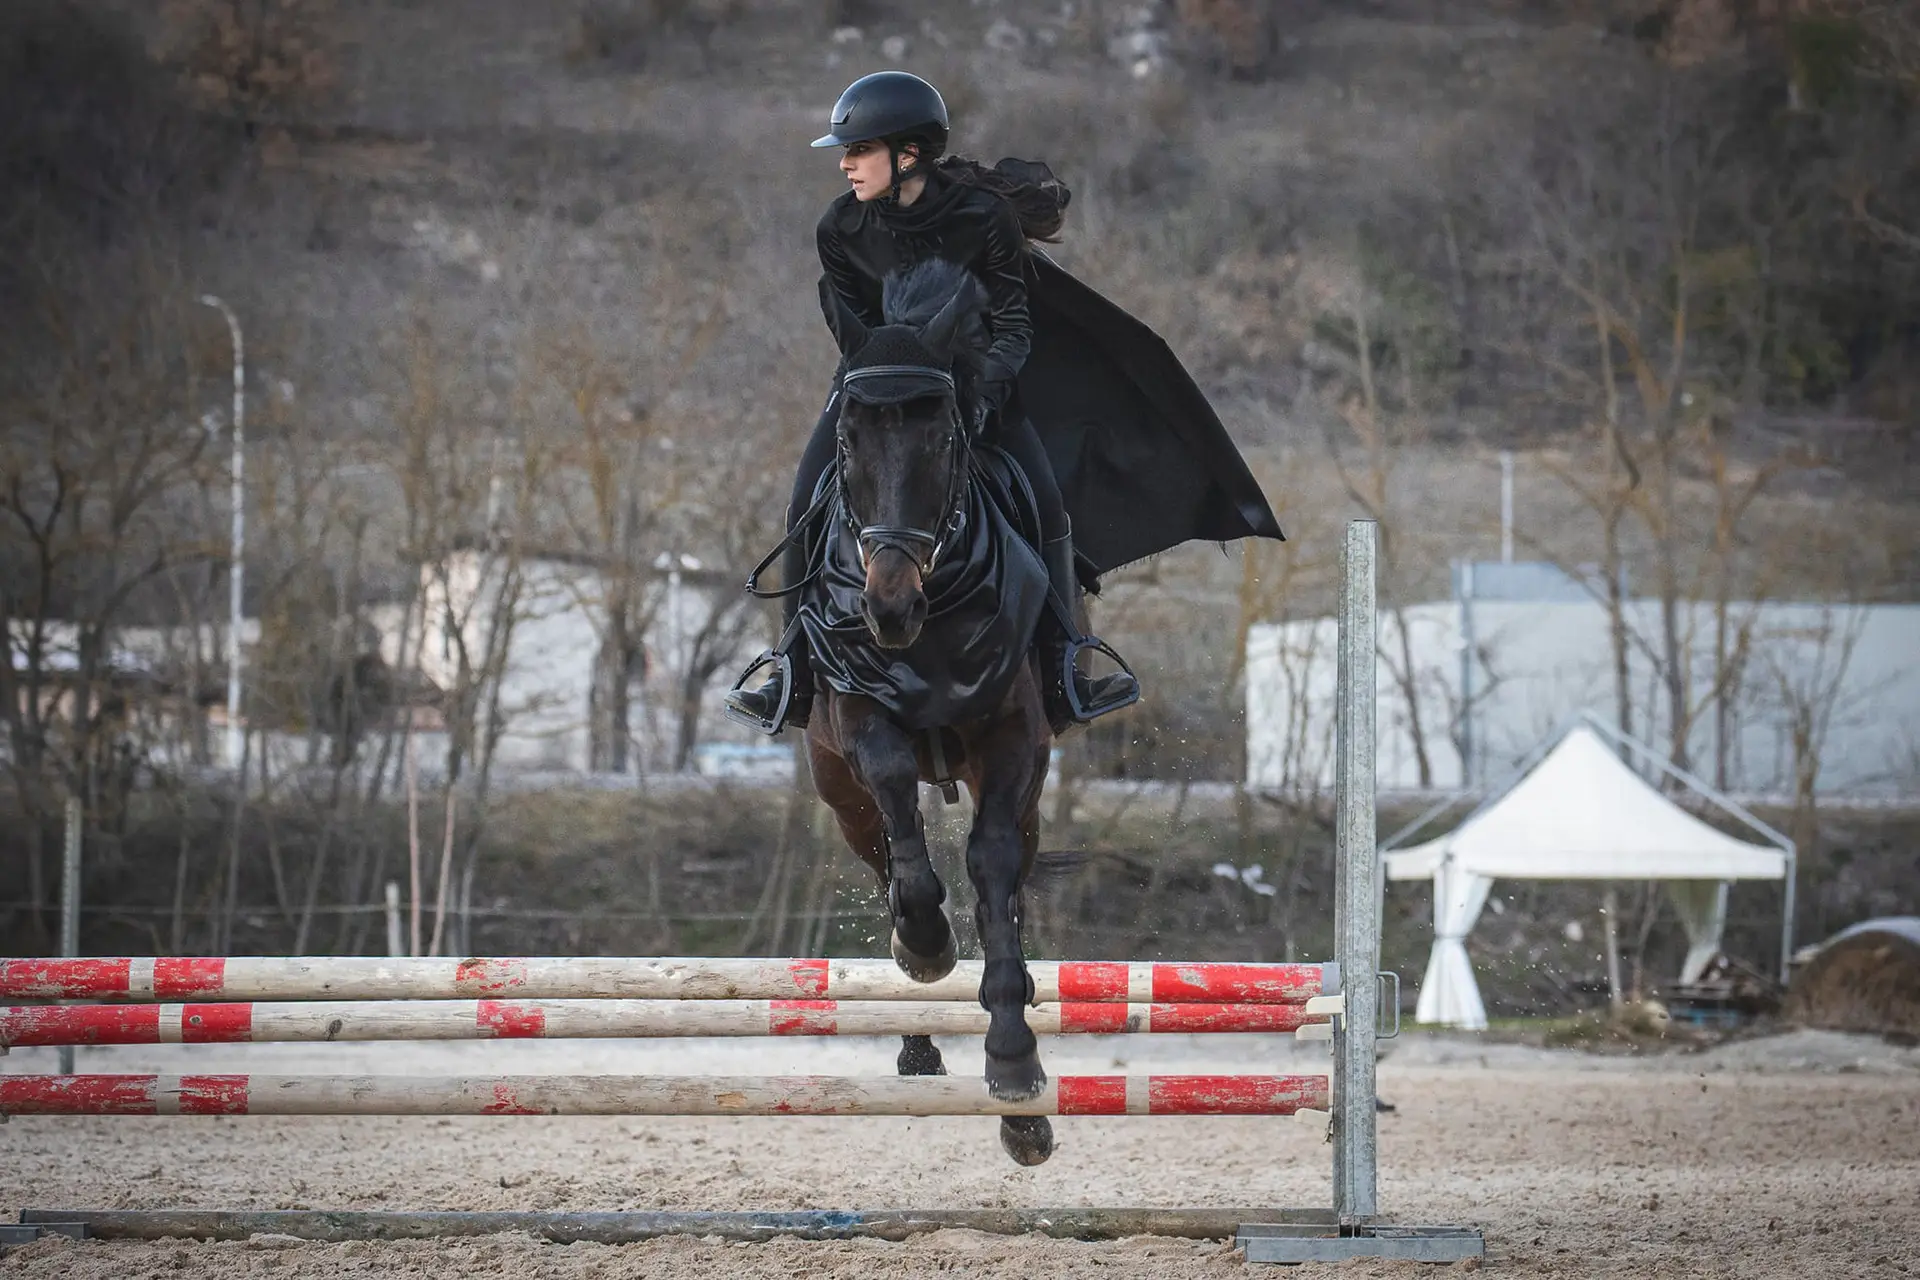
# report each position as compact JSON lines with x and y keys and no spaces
{"x":881,"y":756}
{"x":1029,"y":1139}
{"x":999,"y":852}
{"x":865,"y":833}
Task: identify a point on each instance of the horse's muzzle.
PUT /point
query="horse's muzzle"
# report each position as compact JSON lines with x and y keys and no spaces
{"x":893,"y":605}
{"x":895,"y":626}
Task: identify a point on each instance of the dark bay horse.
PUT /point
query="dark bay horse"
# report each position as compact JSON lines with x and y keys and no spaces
{"x":938,"y":601}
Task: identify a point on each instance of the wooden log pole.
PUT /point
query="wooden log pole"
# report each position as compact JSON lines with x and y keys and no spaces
{"x":554,"y":977}
{"x":632,"y":1225}
{"x":244,"y":1022}
{"x":270,"y":1095}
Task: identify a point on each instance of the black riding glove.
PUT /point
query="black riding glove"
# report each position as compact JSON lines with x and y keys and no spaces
{"x":993,"y":396}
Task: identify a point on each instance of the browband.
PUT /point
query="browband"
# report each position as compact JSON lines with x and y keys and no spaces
{"x":921,"y":371}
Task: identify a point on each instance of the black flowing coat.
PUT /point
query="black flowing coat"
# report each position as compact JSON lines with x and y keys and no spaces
{"x":1143,"y":462}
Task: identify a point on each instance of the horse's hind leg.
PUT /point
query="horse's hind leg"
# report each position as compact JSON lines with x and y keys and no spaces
{"x":1005,"y":838}
{"x":1028,"y":1139}
{"x":998,"y":852}
{"x":919,"y":1056}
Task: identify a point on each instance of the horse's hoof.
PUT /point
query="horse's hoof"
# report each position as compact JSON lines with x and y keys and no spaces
{"x":925,"y":968}
{"x":921,"y":1060}
{"x":1028,"y":1139}
{"x":1015,"y":1079}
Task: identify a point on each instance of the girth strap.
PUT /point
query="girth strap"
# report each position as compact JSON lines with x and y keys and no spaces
{"x":942,"y":771}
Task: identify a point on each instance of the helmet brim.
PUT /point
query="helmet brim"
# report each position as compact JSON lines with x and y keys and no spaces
{"x":835,"y":140}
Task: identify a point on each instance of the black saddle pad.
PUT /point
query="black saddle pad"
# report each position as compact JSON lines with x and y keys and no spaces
{"x":984,"y":600}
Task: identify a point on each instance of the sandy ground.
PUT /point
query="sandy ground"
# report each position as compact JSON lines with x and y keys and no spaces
{"x":1796,"y":1155}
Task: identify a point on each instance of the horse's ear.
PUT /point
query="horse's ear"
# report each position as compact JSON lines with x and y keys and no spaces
{"x":939,"y":334}
{"x":849,"y":331}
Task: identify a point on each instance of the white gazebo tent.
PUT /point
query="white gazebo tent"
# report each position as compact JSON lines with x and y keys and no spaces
{"x":1576,"y":811}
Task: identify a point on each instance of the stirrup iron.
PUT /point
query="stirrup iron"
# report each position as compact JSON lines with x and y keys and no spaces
{"x":1082,"y":712}
{"x":782,"y":662}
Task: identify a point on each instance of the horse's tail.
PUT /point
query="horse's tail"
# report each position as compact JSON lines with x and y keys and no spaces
{"x":1057,"y":864}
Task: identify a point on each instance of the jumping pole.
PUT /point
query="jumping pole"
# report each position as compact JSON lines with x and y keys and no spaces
{"x":545,"y":1095}
{"x":209,"y":978}
{"x":242,"y":1022}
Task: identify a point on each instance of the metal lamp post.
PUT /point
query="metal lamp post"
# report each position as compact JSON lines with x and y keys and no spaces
{"x":237,"y":574}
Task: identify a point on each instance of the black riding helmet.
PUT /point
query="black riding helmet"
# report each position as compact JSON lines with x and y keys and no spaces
{"x":889,"y":105}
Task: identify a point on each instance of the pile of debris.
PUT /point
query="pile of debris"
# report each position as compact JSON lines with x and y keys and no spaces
{"x":1866,"y":978}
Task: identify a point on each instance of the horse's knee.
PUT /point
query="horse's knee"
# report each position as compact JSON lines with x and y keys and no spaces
{"x":996,"y":855}
{"x":1006,"y":985}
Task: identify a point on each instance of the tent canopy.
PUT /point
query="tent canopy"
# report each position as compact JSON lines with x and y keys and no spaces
{"x":1582,"y":814}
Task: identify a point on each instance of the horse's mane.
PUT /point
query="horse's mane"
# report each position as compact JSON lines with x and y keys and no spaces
{"x":914,"y":296}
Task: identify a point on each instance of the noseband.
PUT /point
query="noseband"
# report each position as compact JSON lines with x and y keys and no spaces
{"x":922,"y":546}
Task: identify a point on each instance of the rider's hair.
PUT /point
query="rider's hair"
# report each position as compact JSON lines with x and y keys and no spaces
{"x":1038,"y":198}
{"x":928,"y":145}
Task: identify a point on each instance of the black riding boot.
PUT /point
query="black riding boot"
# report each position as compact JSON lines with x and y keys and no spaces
{"x":1074,"y":697}
{"x":760,"y":708}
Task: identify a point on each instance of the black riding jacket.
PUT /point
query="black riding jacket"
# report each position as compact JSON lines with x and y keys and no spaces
{"x":1142,"y":461}
{"x":860,"y":243}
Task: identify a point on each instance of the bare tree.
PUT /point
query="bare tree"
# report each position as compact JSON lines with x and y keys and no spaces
{"x":1383,"y":330}
{"x":259,"y":59}
{"x":1651,"y":317}
{"x":96,"y":462}
{"x":1808,"y":669}
{"x":734,"y":528}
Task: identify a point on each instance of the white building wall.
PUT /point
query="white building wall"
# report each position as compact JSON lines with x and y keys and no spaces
{"x":547,"y":685}
{"x":1535,"y":665}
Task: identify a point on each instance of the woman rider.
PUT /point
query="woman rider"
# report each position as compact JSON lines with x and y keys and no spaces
{"x":903,"y":207}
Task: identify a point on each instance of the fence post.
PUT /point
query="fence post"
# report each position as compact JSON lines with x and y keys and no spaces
{"x":70,"y":900}
{"x":1356,"y":920}
{"x":396,"y":945}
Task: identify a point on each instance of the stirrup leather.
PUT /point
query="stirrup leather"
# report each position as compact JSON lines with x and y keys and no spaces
{"x":1083,"y":712}
{"x":782,"y":662}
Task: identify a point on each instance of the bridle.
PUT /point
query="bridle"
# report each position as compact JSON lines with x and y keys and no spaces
{"x":922,"y":546}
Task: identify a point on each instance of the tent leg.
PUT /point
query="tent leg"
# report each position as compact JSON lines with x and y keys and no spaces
{"x":1786,"y":916}
{"x":1610,"y":908}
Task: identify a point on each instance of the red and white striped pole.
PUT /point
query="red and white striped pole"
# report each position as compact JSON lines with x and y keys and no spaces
{"x":262,"y":1095}
{"x":553,"y":977}
{"x":246,"y":1022}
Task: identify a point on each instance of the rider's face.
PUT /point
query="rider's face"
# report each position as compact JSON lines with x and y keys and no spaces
{"x":868,"y":169}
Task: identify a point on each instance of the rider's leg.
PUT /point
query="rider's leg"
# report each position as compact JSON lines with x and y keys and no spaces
{"x":1016,"y":435}
{"x":763,"y":703}
{"x":1095,"y":696}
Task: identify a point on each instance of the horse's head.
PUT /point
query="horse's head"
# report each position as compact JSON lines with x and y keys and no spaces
{"x":903,"y":438}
